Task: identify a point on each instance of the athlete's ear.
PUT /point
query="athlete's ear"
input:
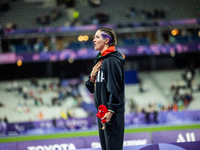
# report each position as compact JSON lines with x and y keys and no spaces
{"x":106,"y":40}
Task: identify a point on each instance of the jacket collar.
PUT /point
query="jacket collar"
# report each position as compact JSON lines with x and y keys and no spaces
{"x":107,"y":51}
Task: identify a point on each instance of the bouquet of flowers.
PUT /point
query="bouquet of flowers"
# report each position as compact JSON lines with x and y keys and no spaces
{"x":102,"y":110}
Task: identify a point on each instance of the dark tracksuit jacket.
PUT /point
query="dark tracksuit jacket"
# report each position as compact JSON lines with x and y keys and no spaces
{"x":109,"y":91}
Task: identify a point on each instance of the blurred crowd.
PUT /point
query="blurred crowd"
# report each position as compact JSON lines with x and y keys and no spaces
{"x":156,"y":13}
{"x":46,"y":19}
{"x":34,"y":93}
{"x":59,"y":43}
{"x":54,"y":43}
{"x":180,"y":91}
{"x":183,"y":90}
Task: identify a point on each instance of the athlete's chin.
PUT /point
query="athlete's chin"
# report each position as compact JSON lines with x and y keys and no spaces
{"x":96,"y":48}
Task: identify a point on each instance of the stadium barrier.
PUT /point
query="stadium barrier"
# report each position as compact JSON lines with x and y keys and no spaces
{"x":87,"y":53}
{"x":181,"y":139}
{"x":71,"y":124}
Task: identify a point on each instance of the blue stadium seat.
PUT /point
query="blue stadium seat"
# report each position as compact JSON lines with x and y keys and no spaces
{"x":128,"y":42}
{"x":180,"y":39}
{"x":195,"y":38}
{"x":75,"y":45}
{"x":21,"y":48}
{"x":89,"y":44}
{"x":143,"y":41}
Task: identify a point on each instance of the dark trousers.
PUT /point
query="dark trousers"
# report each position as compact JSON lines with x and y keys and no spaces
{"x":113,"y":136}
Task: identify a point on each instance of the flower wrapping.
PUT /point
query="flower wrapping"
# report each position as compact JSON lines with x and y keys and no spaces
{"x":102,"y":110}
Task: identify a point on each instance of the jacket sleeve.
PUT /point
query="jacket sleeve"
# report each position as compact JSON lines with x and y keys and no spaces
{"x":90,"y":85}
{"x":114,"y":74}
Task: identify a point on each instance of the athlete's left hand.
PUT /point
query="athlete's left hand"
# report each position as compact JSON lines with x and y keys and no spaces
{"x":107,"y":116}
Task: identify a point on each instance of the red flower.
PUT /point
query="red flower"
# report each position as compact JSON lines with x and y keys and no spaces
{"x":102,"y":110}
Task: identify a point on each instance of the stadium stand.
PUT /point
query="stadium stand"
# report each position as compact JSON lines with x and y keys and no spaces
{"x":25,"y":100}
{"x":20,"y":108}
{"x":24,"y":14}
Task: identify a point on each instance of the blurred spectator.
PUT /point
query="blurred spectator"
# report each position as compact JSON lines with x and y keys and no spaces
{"x":86,"y":19}
{"x":176,"y":95}
{"x":54,"y":122}
{"x":142,"y":88}
{"x":148,"y":110}
{"x":155,"y":115}
{"x":188,"y":77}
{"x":194,"y":86}
{"x":6,"y":120}
{"x":38,"y":47}
{"x":25,"y":92}
{"x":69,"y":3}
{"x":95,"y":3}
{"x":131,"y":12}
{"x":60,"y":43}
{"x":192,"y":69}
{"x":34,"y":82}
{"x":188,"y":97}
{"x":3,"y":126}
{"x":158,"y":14}
{"x":172,"y":87}
{"x":61,"y":94}
{"x":70,"y":113}
{"x":41,"y":116}
{"x":63,"y":115}
{"x":75,"y":17}
{"x":99,"y":17}
{"x":25,"y":108}
{"x":41,"y":100}
{"x":181,"y":93}
{"x":44,"y":87}
{"x":94,"y":20}
{"x":132,"y":106}
{"x":102,"y":17}
{"x":20,"y":90}
{"x":180,"y":104}
{"x":55,"y":14}
{"x":36,"y":101}
{"x":19,"y":107}
{"x":43,"y":20}
{"x":9,"y":87}
{"x":1,"y":30}
{"x":55,"y":101}
{"x":15,"y":85}
{"x":175,"y":107}
{"x":1,"y":104}
{"x":199,"y":87}
{"x":10,"y":27}
{"x":147,"y":14}
{"x":31,"y":94}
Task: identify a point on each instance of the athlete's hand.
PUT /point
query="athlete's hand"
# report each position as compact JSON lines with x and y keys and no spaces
{"x":95,"y":69}
{"x":107,"y":116}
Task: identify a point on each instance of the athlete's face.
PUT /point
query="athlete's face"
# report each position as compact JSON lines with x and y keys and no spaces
{"x":99,"y":42}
